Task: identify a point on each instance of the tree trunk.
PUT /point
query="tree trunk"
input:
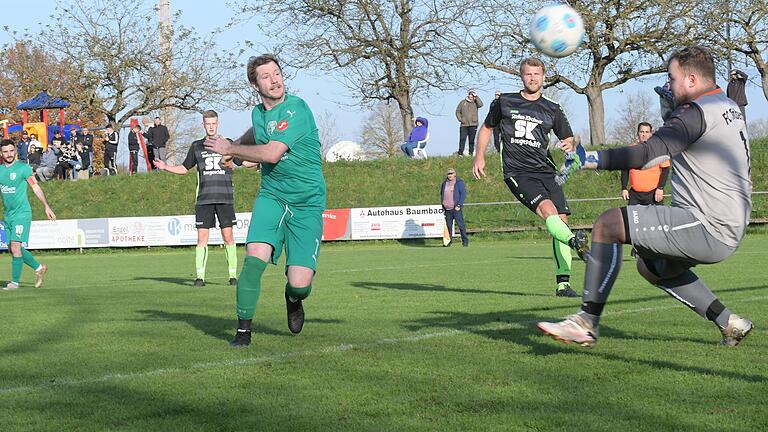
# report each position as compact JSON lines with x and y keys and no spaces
{"x":763,"y":69}
{"x":596,"y":114}
{"x":406,"y":113}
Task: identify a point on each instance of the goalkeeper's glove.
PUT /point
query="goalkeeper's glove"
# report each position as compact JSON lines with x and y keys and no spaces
{"x":580,"y":159}
{"x":666,"y":101}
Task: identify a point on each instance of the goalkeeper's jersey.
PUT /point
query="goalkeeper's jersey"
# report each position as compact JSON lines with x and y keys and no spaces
{"x":525,"y":128}
{"x":214,"y":183}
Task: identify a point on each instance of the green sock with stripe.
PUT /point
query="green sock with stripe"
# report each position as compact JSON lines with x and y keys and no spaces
{"x":201,"y":260}
{"x":17,"y":264}
{"x":231,"y":252}
{"x":249,"y":287}
{"x":562,"y":257}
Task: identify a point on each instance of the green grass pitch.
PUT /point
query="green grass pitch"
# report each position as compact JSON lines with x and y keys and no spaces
{"x":399,"y":336}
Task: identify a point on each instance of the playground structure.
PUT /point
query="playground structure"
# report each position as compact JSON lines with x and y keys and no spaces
{"x":41,"y":102}
{"x":44,"y":132}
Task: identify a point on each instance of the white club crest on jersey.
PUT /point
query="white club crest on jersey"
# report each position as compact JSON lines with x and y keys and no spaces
{"x":271,"y":127}
{"x":13,"y":176}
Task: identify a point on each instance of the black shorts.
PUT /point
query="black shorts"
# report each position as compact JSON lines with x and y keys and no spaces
{"x":206,"y":215}
{"x":532,"y":189}
{"x":643,"y":198}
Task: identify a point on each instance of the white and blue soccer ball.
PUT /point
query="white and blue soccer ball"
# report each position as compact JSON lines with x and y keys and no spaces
{"x":557,"y":30}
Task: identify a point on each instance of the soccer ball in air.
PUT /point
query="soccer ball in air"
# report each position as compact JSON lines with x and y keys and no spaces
{"x":557,"y":30}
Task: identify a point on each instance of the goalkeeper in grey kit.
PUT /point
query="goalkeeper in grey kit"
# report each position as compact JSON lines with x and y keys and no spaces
{"x":705,"y":137}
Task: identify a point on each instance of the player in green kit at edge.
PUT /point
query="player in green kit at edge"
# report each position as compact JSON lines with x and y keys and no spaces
{"x":289,"y":208}
{"x":17,"y":217}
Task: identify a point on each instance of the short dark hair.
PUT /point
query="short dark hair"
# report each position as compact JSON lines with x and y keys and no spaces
{"x":157,"y":118}
{"x":532,"y":61}
{"x":641,"y":124}
{"x":695,"y":59}
{"x":257,"y":61}
{"x":210,"y":114}
{"x":7,"y":142}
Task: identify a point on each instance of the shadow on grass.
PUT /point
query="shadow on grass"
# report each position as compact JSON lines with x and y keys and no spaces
{"x":169,"y":280}
{"x":436,"y":288}
{"x":520,"y":328}
{"x":219,"y":328}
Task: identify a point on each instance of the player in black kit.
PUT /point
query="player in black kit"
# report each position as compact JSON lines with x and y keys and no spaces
{"x":526,"y":119}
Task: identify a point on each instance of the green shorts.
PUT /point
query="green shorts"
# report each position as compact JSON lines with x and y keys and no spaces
{"x":17,"y":228}
{"x":299,"y":229}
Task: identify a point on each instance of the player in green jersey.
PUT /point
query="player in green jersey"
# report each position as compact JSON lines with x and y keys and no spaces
{"x":15,"y":176}
{"x":289,"y":208}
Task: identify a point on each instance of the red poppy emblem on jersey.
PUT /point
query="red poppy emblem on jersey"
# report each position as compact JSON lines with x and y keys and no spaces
{"x":283,"y":125}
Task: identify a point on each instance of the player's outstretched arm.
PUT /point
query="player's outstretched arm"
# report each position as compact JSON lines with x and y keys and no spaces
{"x":41,"y":196}
{"x":177,"y":169}
{"x":483,"y":138}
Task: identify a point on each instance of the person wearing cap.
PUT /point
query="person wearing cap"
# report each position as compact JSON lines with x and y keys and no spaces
{"x":452,"y":196}
{"x":23,"y":147}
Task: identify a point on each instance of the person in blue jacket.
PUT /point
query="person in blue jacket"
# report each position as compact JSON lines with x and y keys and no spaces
{"x":452,"y":196}
{"x":419,"y":133}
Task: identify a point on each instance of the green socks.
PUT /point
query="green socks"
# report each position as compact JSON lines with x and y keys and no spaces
{"x":249,"y":287}
{"x":558,"y":229}
{"x":17,"y":264}
{"x":231,"y":251}
{"x":201,"y":260}
{"x":298,"y":293}
{"x":29,"y":259}
{"x":562,"y":257}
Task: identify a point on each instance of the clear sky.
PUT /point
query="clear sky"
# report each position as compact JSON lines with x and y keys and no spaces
{"x":324,"y":94}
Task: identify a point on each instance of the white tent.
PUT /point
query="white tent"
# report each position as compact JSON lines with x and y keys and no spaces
{"x":345,"y":150}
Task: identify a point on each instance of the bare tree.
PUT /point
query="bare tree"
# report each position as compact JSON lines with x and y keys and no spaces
{"x":327,"y":130}
{"x":382,"y":135}
{"x":637,"y":107}
{"x":113,"y":46}
{"x":187,"y":128}
{"x":26,"y":70}
{"x":624,"y":41}
{"x":745,"y":33}
{"x":383,"y":50}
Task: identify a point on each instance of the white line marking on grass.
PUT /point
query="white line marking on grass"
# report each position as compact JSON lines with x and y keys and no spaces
{"x":332,"y":349}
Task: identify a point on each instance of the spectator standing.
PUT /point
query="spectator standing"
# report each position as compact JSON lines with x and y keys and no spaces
{"x":151,"y":156}
{"x":133,"y":149}
{"x":158,"y":135}
{"x":453,"y":192}
{"x":48,"y":162}
{"x":87,"y":139}
{"x":647,"y":185}
{"x":466,"y":114}
{"x":111,"y":139}
{"x":23,"y":147}
{"x":419,"y":133}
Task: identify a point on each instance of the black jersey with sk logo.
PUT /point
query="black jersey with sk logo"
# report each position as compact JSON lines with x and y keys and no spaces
{"x":214,"y":184}
{"x":525,"y":128}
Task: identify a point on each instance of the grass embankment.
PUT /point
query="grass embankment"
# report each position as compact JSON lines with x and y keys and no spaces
{"x":377,"y":183}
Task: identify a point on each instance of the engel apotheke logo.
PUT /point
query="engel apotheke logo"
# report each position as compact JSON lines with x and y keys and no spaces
{"x":174,"y":226}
